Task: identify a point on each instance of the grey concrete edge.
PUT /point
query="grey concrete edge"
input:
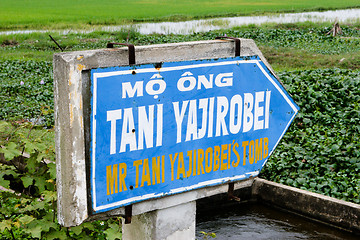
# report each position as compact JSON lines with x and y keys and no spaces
{"x":69,"y":143}
{"x":330,"y":210}
{"x":174,"y":200}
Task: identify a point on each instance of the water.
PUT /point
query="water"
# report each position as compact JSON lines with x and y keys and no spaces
{"x":188,"y":27}
{"x":204,"y":25}
{"x":255,"y":221}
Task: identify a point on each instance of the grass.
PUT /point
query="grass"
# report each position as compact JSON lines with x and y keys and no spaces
{"x":290,"y":59}
{"x":79,"y":14}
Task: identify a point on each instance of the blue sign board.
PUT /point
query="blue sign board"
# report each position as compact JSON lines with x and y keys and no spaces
{"x":162,"y":129}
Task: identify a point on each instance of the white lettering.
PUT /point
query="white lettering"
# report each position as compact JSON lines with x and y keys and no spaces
{"x":235,"y":119}
{"x":191,"y":129}
{"x":130,"y":91}
{"x":179,"y":117}
{"x":159,"y":128}
{"x":159,"y":90}
{"x":186,"y":77}
{"x":187,"y":82}
{"x":222,"y":109}
{"x":248,"y":115}
{"x":112,"y":116}
{"x":202,"y":80}
{"x":146,"y":127}
{"x":203,"y":104}
{"x":128,"y":131}
{"x":211,"y":116}
{"x":267,"y":108}
{"x":250,"y":111}
{"x":258,"y":111}
{"x":224,"y":79}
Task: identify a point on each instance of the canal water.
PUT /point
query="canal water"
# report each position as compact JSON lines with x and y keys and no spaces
{"x":254,"y":221}
{"x":205,"y":25}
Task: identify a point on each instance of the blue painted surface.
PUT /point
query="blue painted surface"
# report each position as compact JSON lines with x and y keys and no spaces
{"x":149,"y":123}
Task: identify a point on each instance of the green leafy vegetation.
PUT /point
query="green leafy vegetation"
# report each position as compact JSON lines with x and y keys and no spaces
{"x":207,"y":235}
{"x":75,"y":14}
{"x":28,"y":206}
{"x":320,"y":152}
{"x":26,"y":91}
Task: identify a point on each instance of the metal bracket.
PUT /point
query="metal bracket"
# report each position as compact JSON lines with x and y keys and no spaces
{"x":131,"y":48}
{"x":231,"y":193}
{"x":56,"y":43}
{"x":128,"y":214}
{"x":237,"y":44}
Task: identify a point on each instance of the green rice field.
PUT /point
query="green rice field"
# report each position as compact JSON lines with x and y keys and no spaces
{"x":64,"y":14}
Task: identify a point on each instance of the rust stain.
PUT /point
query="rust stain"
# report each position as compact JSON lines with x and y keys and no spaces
{"x":80,"y":67}
{"x":158,"y":66}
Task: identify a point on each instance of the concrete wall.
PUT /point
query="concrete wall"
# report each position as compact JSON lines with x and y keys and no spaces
{"x":330,"y":210}
{"x":175,"y":223}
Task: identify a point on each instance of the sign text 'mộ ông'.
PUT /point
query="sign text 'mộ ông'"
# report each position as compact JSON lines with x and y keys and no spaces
{"x":158,"y":130}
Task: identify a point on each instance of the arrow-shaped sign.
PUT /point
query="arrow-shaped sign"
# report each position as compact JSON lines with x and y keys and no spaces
{"x":201,"y":123}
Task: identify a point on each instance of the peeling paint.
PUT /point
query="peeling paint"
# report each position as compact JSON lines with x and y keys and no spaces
{"x":70,"y":74}
{"x":81,"y":104}
{"x":81,"y":122}
{"x":71,"y":114}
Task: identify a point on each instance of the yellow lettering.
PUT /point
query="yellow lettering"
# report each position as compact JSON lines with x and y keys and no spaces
{"x":181,"y":167}
{"x":189,"y":154}
{"x":216,"y":158}
{"x":111,"y":177}
{"x":136,"y":164}
{"x":163,"y":168}
{"x":208,"y":159}
{"x":172,"y":161}
{"x":122,"y":176}
{"x":235,"y":164}
{"x":251,"y":152}
{"x":145,"y":176}
{"x":194,"y":168}
{"x":258,"y":150}
{"x":244,"y":145}
{"x":155,"y":170}
{"x":229,"y":157}
{"x":223,"y":166}
{"x":266,"y":147}
{"x":200,"y":158}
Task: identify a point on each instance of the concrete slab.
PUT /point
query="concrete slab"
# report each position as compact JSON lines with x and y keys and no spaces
{"x":174,"y":223}
{"x":330,"y":210}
